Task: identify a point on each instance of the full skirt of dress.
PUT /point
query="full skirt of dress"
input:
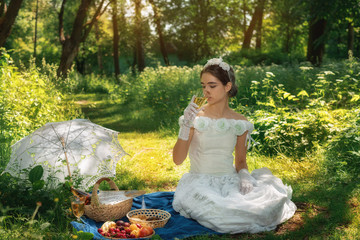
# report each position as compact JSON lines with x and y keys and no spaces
{"x":215,"y":201}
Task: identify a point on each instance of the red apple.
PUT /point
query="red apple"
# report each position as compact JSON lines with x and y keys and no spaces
{"x":145,"y":231}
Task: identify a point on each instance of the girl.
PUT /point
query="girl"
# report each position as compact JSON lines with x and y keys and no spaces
{"x":219,"y":194}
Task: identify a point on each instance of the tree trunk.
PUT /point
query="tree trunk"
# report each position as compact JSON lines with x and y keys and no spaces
{"x":134,"y":60}
{"x":80,"y":31}
{"x":244,"y":12}
{"x":36,"y":24}
{"x":157,"y":21}
{"x":316,"y":43}
{"x":7,"y":19}
{"x":255,"y":18}
{"x":140,"y":58}
{"x":350,"y":42}
{"x":205,"y":49}
{"x":99,"y":52}
{"x":259,"y":28}
{"x":115,"y":40}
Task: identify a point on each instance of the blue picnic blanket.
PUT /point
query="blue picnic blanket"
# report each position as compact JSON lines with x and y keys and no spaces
{"x":177,"y":226}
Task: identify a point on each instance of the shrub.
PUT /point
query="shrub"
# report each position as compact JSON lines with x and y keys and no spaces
{"x":297,"y":133}
{"x":343,"y":153}
{"x":28,"y":100}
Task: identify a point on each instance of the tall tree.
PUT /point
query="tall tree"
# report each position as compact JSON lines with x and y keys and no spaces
{"x":350,"y":42}
{"x":139,"y":48}
{"x":36,"y":26}
{"x":157,"y":20}
{"x":245,"y":9}
{"x":316,"y":40}
{"x":99,"y":51}
{"x":259,"y":28}
{"x":321,"y":13}
{"x":257,"y":15}
{"x":289,"y":16}
{"x":7,"y":18}
{"x":80,"y":31}
{"x":115,"y":40}
{"x":203,"y":6}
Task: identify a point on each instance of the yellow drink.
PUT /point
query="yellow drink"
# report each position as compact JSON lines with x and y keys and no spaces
{"x":200,"y":101}
{"x":78,"y":208}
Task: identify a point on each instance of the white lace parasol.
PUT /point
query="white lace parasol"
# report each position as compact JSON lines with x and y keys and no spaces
{"x":65,"y":148}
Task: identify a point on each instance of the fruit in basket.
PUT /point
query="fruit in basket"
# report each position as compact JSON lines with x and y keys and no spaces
{"x":107,"y":225}
{"x":135,"y":232}
{"x":133,"y":227}
{"x":145,"y":231}
{"x":120,"y":223}
{"x":122,"y":229}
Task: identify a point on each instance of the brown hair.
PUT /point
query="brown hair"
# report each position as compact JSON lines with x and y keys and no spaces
{"x":224,"y":77}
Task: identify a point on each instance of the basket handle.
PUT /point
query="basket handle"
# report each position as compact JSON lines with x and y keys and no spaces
{"x":94,"y":195}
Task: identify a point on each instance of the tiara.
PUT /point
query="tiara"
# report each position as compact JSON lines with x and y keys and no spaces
{"x":218,"y":61}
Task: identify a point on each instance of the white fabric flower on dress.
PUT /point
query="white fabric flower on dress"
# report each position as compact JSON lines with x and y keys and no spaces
{"x":240,"y":127}
{"x":249,"y":126}
{"x":201,"y":123}
{"x":222,"y":125}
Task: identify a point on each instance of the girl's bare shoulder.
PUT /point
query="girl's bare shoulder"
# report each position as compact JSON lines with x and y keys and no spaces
{"x":237,"y":116}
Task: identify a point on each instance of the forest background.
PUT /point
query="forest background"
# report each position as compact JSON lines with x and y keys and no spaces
{"x":133,"y":66}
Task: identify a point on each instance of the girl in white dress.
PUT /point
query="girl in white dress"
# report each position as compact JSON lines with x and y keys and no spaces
{"x":218,"y":193}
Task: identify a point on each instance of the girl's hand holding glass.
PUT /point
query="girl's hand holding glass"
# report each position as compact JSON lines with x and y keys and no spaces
{"x":190,"y":113}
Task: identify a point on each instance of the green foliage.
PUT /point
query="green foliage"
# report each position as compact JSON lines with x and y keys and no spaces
{"x":297,"y":133}
{"x":35,"y":176}
{"x":343,"y":153}
{"x":168,"y":90}
{"x":298,"y":111}
{"x":53,"y":215}
{"x":36,"y":173}
{"x":295,"y":108}
{"x":81,"y":235}
{"x":28,"y":100}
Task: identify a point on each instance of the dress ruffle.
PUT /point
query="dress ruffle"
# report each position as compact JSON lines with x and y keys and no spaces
{"x":216,"y":202}
{"x":221,"y":125}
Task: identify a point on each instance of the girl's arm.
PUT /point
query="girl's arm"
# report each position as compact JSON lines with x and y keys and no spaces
{"x":181,"y":149}
{"x":240,"y":152}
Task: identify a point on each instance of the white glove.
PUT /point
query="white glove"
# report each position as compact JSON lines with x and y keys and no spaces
{"x":190,"y":113}
{"x":246,"y":181}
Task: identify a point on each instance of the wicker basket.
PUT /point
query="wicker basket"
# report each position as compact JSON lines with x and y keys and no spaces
{"x":106,"y":212}
{"x":144,"y":216}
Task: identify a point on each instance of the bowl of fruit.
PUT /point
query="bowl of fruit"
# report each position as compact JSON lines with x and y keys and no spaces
{"x":125,"y":230}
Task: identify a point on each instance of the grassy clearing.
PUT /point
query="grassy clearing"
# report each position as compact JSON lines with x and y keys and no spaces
{"x":326,"y":209}
{"x":313,"y":139}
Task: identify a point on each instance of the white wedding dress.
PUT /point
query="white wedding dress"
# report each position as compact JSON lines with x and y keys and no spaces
{"x":210,"y":192}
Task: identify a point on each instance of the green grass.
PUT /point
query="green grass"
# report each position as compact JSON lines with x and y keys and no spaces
{"x":100,"y":110}
{"x":327,"y":209}
{"x":144,"y":108}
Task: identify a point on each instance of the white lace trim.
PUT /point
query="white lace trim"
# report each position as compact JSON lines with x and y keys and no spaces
{"x":182,"y":122}
{"x":222,"y":125}
{"x":239,"y":127}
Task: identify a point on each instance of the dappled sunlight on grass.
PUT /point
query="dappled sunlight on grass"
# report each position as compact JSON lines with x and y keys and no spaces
{"x":323,"y":207}
{"x":286,"y":168}
{"x":150,"y":161}
{"x":123,"y":118}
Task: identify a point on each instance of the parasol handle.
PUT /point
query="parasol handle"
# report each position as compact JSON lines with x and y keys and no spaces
{"x":67,"y":161}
